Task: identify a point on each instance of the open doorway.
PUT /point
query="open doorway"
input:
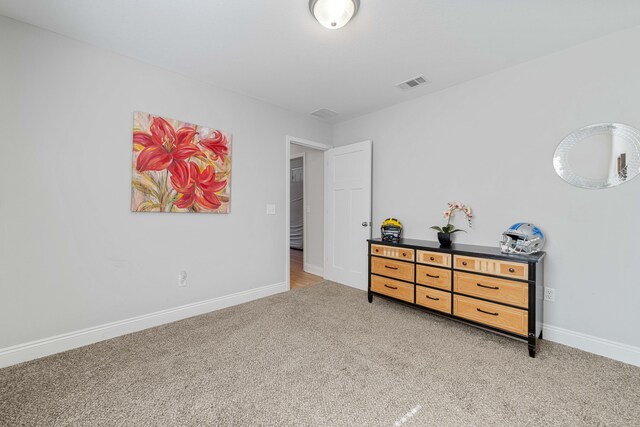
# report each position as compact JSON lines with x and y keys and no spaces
{"x":305,"y":219}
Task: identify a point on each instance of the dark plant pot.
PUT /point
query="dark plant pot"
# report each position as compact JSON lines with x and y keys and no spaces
{"x":444,"y":239}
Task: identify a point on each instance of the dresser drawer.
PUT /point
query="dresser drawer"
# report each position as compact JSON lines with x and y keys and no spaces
{"x":392,"y":288}
{"x":515,"y":270}
{"x":434,"y":258}
{"x":499,"y":316}
{"x":393,"y":252}
{"x":499,"y":290}
{"x":391,"y":268}
{"x":433,"y":276}
{"x":431,"y":298}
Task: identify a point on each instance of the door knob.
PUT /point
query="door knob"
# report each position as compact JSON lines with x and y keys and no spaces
{"x":365,"y":224}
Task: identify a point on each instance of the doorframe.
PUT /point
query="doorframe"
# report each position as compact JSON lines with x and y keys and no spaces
{"x":287,"y":198}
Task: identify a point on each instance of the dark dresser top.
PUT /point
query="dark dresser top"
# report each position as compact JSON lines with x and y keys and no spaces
{"x":457,"y":248}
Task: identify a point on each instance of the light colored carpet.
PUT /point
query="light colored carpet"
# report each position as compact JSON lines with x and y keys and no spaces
{"x":319,"y":356}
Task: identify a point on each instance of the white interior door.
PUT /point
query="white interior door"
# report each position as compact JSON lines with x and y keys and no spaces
{"x":347,"y":213}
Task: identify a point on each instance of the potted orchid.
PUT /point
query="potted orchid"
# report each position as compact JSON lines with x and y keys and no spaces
{"x":444,"y":233}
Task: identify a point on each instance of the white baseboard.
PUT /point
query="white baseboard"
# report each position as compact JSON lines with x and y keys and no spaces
{"x":313,"y":269}
{"x":611,"y":349}
{"x":47,"y":346}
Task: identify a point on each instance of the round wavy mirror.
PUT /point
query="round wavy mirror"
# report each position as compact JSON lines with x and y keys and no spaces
{"x":599,"y":156}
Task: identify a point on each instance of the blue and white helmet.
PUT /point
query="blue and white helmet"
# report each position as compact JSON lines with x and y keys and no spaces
{"x":522,"y":238}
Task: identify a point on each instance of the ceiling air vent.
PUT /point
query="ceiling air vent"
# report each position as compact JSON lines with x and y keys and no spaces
{"x":413,"y":83}
{"x":324,"y":113}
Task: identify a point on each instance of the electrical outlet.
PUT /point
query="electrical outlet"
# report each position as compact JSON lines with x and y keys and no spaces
{"x":182,"y":278}
{"x":549,"y":294}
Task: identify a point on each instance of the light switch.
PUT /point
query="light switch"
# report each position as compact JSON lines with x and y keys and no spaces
{"x":308,"y":209}
{"x":271,"y":209}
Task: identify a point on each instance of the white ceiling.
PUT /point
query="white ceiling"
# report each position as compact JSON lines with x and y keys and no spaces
{"x":275,"y":51}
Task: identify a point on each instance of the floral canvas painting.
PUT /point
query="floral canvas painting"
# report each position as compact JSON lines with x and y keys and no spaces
{"x":179,"y":167}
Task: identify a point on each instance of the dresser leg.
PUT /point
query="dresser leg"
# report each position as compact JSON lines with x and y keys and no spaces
{"x":533,"y":346}
{"x":370,"y":296}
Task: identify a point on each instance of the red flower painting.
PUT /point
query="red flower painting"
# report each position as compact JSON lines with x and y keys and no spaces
{"x":179,"y":167}
{"x":196,"y":187}
{"x":217,"y":144}
{"x":163,"y":146}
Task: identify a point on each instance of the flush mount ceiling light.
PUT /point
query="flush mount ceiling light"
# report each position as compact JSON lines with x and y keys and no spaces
{"x":333,"y":14}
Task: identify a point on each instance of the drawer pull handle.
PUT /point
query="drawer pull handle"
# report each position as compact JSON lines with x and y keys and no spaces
{"x":512,"y":270}
{"x":391,"y":287}
{"x":432,"y":259}
{"x":390,"y":268}
{"x":404,"y":254}
{"x":435,"y":299}
{"x":464,"y":263}
{"x":488,"y":287}
{"x":487,"y":312}
{"x":434,"y":277}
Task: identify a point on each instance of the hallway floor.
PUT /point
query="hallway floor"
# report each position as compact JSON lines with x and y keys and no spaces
{"x":299,"y":277}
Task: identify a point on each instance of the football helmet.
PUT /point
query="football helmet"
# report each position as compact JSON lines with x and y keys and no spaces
{"x":390,"y":230}
{"x":522,"y":238}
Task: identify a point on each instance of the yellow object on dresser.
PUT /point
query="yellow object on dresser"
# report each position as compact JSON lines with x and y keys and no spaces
{"x":477,"y":285}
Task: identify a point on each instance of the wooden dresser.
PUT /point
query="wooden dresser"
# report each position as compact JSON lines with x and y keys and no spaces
{"x":477,"y":285}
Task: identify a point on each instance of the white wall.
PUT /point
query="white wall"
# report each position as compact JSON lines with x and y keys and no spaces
{"x":72,"y":254}
{"x":489,"y":143}
{"x":314,"y":199}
